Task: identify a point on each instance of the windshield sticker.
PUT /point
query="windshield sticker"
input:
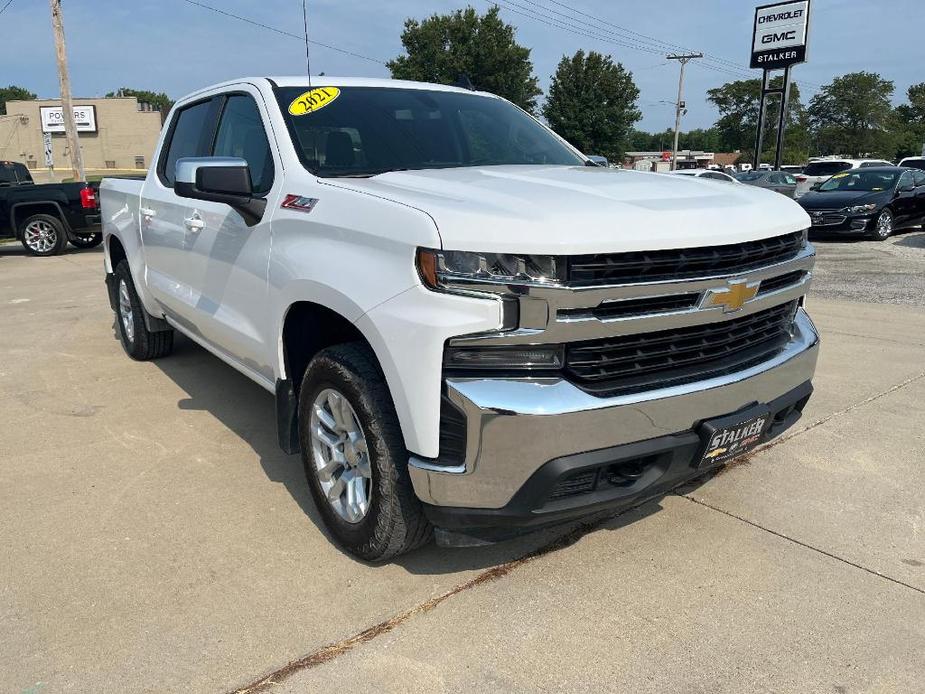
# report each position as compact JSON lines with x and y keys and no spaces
{"x":313,"y":100}
{"x":876,"y":188}
{"x":841,"y":175}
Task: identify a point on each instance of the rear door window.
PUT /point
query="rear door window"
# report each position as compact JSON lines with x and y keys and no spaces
{"x":190,"y":136}
{"x":919,"y":177}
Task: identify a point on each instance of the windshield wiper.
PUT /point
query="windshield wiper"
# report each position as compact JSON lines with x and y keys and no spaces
{"x":363,"y":174}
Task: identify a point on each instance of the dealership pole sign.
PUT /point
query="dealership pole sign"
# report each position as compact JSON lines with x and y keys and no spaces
{"x":779,"y":37}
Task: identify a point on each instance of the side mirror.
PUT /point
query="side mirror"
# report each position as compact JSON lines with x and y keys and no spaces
{"x":599,"y":160}
{"x":219,"y":179}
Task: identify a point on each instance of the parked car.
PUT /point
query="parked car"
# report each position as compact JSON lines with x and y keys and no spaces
{"x":46,"y":217}
{"x":819,"y":170}
{"x":792,"y":168}
{"x":465,"y":326}
{"x":871,"y":201}
{"x":705,"y":173}
{"x":772,"y":180}
{"x":913,"y":163}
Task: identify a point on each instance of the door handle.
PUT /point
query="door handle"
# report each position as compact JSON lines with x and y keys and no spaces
{"x":194,"y":223}
{"x":146,"y":212}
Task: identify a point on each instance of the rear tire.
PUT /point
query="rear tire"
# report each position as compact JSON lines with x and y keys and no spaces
{"x":138,"y":342}
{"x":91,"y":241}
{"x":43,"y":235}
{"x":367,"y":456}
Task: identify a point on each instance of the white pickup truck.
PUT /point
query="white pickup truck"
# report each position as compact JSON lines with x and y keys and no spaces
{"x":470,"y":328}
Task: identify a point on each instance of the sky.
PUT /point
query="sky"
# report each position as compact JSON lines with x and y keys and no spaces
{"x":176,"y":47}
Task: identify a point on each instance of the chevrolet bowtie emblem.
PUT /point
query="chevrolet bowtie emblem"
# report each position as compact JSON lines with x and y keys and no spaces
{"x":732,"y":297}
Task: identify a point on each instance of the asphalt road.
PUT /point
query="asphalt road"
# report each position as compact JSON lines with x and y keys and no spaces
{"x":153,"y":538}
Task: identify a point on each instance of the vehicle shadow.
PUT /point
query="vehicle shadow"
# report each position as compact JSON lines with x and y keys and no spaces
{"x":916,"y":240}
{"x":248,"y":410}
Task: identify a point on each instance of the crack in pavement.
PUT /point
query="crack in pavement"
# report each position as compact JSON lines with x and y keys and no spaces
{"x":333,"y":650}
{"x":746,"y":459}
{"x":803,"y":544}
{"x":902,"y":343}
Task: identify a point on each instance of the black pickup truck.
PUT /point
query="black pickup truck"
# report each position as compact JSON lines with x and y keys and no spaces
{"x":46,"y":217}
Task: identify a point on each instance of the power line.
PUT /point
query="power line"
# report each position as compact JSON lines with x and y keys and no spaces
{"x":283,"y":33}
{"x":626,"y":30}
{"x":594,"y":33}
{"x":584,"y":28}
{"x":3,"y":9}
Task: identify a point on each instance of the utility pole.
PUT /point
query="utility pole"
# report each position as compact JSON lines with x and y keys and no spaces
{"x":684,"y":59}
{"x":67,"y":106}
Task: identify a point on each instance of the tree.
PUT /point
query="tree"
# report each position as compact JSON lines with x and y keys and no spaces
{"x":444,"y":47}
{"x":158,"y":100}
{"x":909,"y":120}
{"x":853,"y":115}
{"x":592,"y":103}
{"x":738,"y":122}
{"x":13,"y":93}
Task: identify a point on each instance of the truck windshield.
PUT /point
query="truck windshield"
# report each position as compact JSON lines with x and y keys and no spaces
{"x":364,"y":131}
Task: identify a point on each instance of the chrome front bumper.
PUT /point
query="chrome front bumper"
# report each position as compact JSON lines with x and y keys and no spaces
{"x":514,"y":426}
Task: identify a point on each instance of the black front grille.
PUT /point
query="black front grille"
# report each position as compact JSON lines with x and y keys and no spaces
{"x":772,"y":284}
{"x":685,"y":263}
{"x":668,"y":357}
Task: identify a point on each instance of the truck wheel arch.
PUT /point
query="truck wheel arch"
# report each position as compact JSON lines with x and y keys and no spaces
{"x":307,"y":328}
{"x":21,"y":211}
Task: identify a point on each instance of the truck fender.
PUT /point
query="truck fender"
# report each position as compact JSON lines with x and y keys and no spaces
{"x":59,"y":213}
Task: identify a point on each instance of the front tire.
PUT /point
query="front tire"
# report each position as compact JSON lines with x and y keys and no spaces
{"x":138,"y":342}
{"x":354,"y":456}
{"x":43,"y":235}
{"x":91,"y":241}
{"x":883,"y":227}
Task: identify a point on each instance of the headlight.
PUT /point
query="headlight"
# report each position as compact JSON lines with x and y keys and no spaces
{"x":469,"y":270}
{"x":860,"y":209}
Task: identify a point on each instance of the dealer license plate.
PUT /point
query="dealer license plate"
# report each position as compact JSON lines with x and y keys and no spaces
{"x":729,"y":437}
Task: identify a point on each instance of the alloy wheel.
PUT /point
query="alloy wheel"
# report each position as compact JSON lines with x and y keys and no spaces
{"x":40,"y":236}
{"x":341,"y":455}
{"x":126,"y":315}
{"x":884,"y":224}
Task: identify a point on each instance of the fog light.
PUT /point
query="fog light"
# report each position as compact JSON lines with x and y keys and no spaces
{"x":513,"y":357}
{"x":858,"y":223}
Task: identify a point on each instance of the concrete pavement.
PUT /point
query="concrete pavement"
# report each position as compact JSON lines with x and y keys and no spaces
{"x":153,"y":538}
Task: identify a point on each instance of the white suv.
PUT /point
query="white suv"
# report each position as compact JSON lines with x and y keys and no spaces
{"x":819,"y":170}
{"x":913,"y":163}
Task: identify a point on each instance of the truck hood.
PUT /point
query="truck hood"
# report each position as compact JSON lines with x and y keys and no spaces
{"x":573,"y":210}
